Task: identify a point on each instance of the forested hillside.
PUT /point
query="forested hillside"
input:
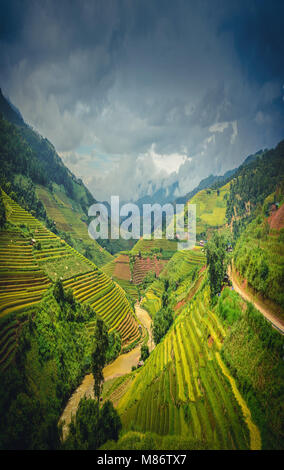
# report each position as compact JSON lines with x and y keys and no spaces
{"x":34,"y":175}
{"x":259,"y":252}
{"x":253,"y":183}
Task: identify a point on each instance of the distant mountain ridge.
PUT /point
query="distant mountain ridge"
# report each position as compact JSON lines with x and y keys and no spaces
{"x":207,"y":183}
{"x":166,"y":194}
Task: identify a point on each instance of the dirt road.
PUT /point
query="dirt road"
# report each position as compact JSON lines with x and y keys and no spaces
{"x":121,"y":366}
{"x":276,"y":322}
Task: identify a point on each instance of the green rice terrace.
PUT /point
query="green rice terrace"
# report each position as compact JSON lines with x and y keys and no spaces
{"x":119,"y":270}
{"x":129,"y":270}
{"x":214,"y":368}
{"x":68,"y":218}
{"x":179,"y":270}
{"x":202,"y":386}
{"x":210,"y":208}
{"x":187,"y":387}
{"x":31,"y":259}
{"x":163,"y":246}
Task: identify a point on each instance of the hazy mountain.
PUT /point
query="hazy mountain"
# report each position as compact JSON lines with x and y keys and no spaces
{"x":167,"y":194}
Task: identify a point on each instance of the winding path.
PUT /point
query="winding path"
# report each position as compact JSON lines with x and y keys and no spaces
{"x":121,"y":366}
{"x":270,"y":316}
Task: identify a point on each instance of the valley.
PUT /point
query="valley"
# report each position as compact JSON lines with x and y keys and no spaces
{"x":156,"y":343}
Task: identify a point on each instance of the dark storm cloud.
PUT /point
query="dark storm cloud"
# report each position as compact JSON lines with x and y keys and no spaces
{"x":198,"y":83}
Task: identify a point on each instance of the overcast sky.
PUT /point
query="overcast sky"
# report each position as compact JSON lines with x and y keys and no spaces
{"x":141,"y":93}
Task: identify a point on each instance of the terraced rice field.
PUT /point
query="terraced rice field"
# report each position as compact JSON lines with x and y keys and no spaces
{"x":210,"y":208}
{"x":22,"y":282}
{"x":183,"y":262}
{"x":167,"y":247}
{"x":122,"y":269}
{"x":52,"y":209}
{"x":69,"y":217}
{"x":107,"y":299}
{"x":128,"y":286}
{"x":183,"y":388}
{"x":180,"y":267}
{"x":152,"y":299}
{"x":109,"y":268}
{"x":59,"y":208}
{"x":22,"y":285}
{"x":23,"y":278}
{"x":118,"y":268}
{"x":143,"y":265}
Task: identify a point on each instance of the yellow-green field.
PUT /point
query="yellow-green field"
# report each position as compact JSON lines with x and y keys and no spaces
{"x":167,"y":247}
{"x":210,"y":208}
{"x":31,"y":258}
{"x":69,"y":217}
{"x":185,"y":389}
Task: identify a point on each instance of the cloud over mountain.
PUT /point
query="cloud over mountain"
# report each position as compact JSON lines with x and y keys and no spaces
{"x":135,"y":95}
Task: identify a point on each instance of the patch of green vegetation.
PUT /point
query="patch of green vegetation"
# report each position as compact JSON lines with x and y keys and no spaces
{"x":259,"y":258}
{"x":217,"y":260}
{"x":150,"y":441}
{"x":52,"y":357}
{"x":92,"y":426}
{"x":181,"y":389}
{"x":64,"y":268}
{"x":253,"y":351}
{"x":70,"y":222}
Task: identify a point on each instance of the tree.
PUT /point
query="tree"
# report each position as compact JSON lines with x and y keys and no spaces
{"x":69,"y":297}
{"x":217,"y":261}
{"x":139,"y":293}
{"x":114,"y":346}
{"x":99,"y":355}
{"x":144,"y":352}
{"x":58,"y":291}
{"x":2,"y":213}
{"x":162,"y":322}
{"x":92,"y":426}
{"x":148,"y":279}
{"x":88,"y":253}
{"x":109,"y":423}
{"x":165,"y":298}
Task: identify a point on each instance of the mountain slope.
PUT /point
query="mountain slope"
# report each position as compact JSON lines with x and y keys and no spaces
{"x":33,"y":257}
{"x":254,"y":182}
{"x":207,"y":183}
{"x":210,"y":208}
{"x":33,"y":174}
{"x":259,"y":253}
